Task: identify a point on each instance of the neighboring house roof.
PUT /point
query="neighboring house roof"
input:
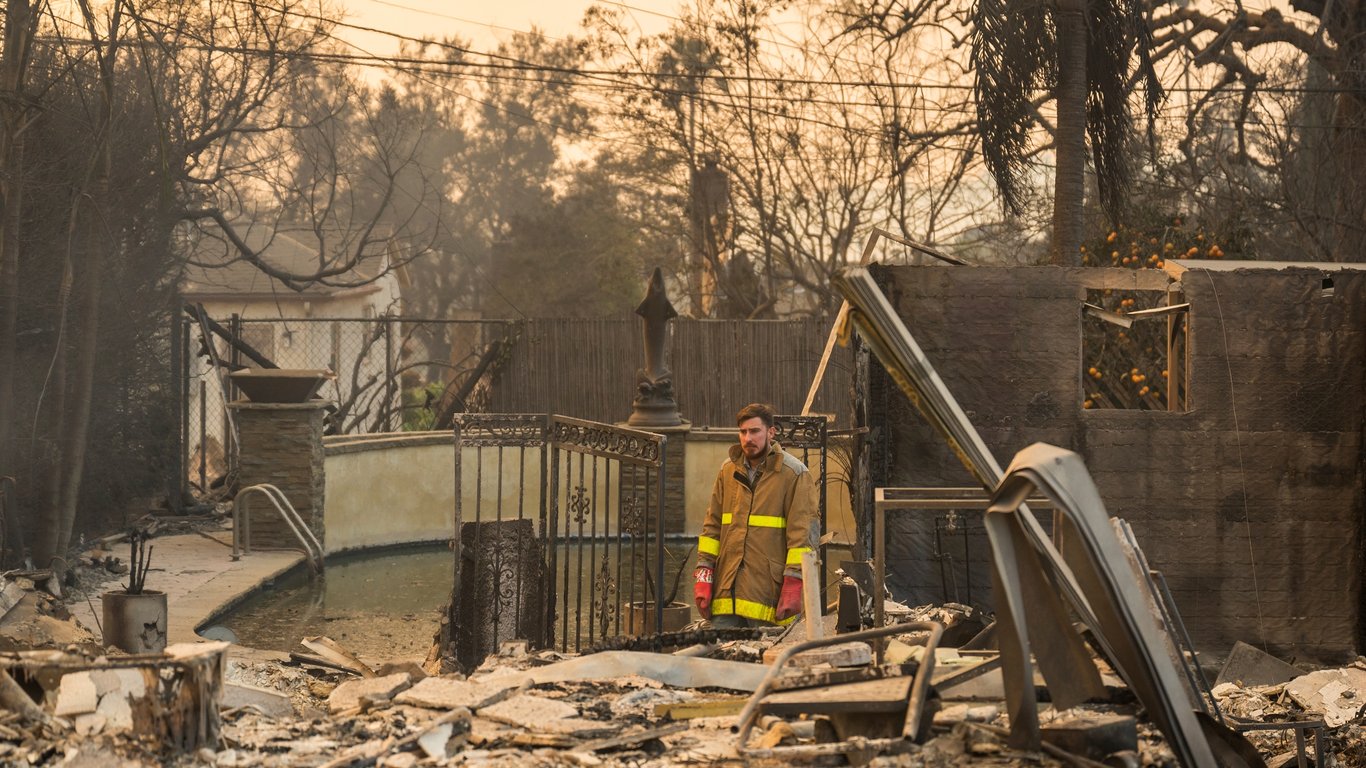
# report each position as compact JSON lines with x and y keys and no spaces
{"x":215,"y":267}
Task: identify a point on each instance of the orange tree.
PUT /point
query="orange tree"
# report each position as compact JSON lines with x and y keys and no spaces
{"x":1128,"y":367}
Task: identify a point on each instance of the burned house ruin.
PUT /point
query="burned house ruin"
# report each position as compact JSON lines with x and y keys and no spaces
{"x":1245,"y":490}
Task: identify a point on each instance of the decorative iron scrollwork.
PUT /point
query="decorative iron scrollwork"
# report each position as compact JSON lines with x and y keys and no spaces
{"x":800,"y":431}
{"x":603,"y":440}
{"x":605,"y":588}
{"x":633,"y":517}
{"x":482,"y":430}
{"x":580,"y":505}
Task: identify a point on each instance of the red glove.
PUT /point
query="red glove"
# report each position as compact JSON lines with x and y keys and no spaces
{"x":790,"y":601}
{"x":701,"y":590}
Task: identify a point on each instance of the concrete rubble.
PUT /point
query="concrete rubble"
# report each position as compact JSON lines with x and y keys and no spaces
{"x":70,"y":702}
{"x":612,"y":708}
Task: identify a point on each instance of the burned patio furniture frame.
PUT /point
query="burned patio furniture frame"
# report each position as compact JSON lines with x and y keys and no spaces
{"x":1298,"y":726}
{"x":920,"y":501}
{"x":914,"y":727}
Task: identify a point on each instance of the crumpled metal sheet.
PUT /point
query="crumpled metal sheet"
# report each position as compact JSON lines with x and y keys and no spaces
{"x":1090,"y":558}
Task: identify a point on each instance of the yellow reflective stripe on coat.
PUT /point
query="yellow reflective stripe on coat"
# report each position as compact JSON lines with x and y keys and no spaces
{"x":757,"y":521}
{"x":708,"y":546}
{"x":749,"y":609}
{"x":794,"y":555}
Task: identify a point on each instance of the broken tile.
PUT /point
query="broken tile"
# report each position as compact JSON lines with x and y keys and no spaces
{"x":1337,"y":694}
{"x":132,"y":682}
{"x":89,"y":723}
{"x":528,"y":711}
{"x":348,"y":695}
{"x":270,"y":703}
{"x":10,"y":597}
{"x":76,"y":695}
{"x":114,"y":706}
{"x":448,"y":693}
{"x":577,"y":727}
{"x":433,"y":742}
{"x":105,"y":680}
{"x":484,"y":731}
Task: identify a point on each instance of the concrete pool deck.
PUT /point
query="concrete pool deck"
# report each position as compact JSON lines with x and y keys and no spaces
{"x":200,"y":579}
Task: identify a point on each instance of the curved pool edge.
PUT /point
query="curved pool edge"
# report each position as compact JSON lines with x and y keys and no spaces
{"x":226,"y":600}
{"x":200,"y":579}
{"x":231,"y":603}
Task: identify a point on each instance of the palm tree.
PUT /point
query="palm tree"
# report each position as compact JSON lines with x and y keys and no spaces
{"x":1082,"y":51}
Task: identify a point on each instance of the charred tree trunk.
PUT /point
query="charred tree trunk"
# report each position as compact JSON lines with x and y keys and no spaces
{"x":1349,"y":198}
{"x":1069,"y":181}
{"x":19,"y":28}
{"x":92,"y":236}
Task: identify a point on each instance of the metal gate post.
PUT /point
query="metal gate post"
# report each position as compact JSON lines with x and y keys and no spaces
{"x":389,"y":383}
{"x":660,"y":603}
{"x":176,"y":482}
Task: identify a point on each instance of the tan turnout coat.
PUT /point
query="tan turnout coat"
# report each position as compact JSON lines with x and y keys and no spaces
{"x":754,"y":536}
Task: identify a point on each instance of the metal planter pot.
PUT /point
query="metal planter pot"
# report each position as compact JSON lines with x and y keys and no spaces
{"x":640,"y":617}
{"x":135,"y":623}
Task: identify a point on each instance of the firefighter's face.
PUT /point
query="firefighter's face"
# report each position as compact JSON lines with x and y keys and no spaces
{"x":755,"y":437}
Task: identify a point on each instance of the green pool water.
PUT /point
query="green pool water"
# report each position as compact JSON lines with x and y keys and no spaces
{"x":383,"y":604}
{"x":387,"y":604}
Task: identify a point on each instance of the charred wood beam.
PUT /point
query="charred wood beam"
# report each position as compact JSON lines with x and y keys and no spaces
{"x":198,"y":313}
{"x":451,"y":405}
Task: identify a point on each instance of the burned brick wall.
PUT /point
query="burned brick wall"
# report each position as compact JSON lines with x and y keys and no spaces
{"x":1249,"y":500}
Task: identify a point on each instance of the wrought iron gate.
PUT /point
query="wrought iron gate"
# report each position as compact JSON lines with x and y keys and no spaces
{"x":559,"y":533}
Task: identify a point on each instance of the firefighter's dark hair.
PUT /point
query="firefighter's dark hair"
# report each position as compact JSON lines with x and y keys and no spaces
{"x":762,"y":411}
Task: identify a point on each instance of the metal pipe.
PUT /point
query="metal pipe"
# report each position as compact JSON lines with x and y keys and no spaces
{"x":203,"y":437}
{"x":457,"y":441}
{"x":879,"y":568}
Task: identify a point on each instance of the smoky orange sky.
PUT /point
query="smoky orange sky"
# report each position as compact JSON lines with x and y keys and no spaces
{"x":483,"y":23}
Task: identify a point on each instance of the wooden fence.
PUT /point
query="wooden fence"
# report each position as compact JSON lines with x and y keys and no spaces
{"x":587,"y":368}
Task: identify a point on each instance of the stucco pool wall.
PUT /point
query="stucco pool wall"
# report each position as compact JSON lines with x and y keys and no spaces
{"x":399,"y":488}
{"x":384,"y":490}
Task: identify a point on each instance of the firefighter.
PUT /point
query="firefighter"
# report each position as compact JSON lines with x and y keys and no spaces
{"x":761,"y":518}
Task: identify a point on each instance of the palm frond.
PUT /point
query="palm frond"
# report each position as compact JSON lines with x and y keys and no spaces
{"x":1118,"y":34}
{"x":1013,"y":57}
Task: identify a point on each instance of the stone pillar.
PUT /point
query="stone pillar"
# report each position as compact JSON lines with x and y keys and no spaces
{"x":282,"y":444}
{"x":632,"y":485}
{"x":675,"y":511}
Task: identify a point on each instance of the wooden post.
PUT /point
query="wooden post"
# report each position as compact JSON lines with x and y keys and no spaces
{"x":811,"y":596}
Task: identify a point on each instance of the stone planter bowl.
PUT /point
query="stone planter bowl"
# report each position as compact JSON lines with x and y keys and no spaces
{"x":280,"y":385}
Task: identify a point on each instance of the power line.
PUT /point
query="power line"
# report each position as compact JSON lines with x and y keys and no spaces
{"x":439,"y":15}
{"x":506,"y":62}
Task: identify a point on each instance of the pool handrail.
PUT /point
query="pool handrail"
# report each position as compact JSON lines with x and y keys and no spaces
{"x":241,"y":524}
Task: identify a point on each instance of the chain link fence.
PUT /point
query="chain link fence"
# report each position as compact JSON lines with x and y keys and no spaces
{"x":392,"y":374}
{"x":396,"y":374}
